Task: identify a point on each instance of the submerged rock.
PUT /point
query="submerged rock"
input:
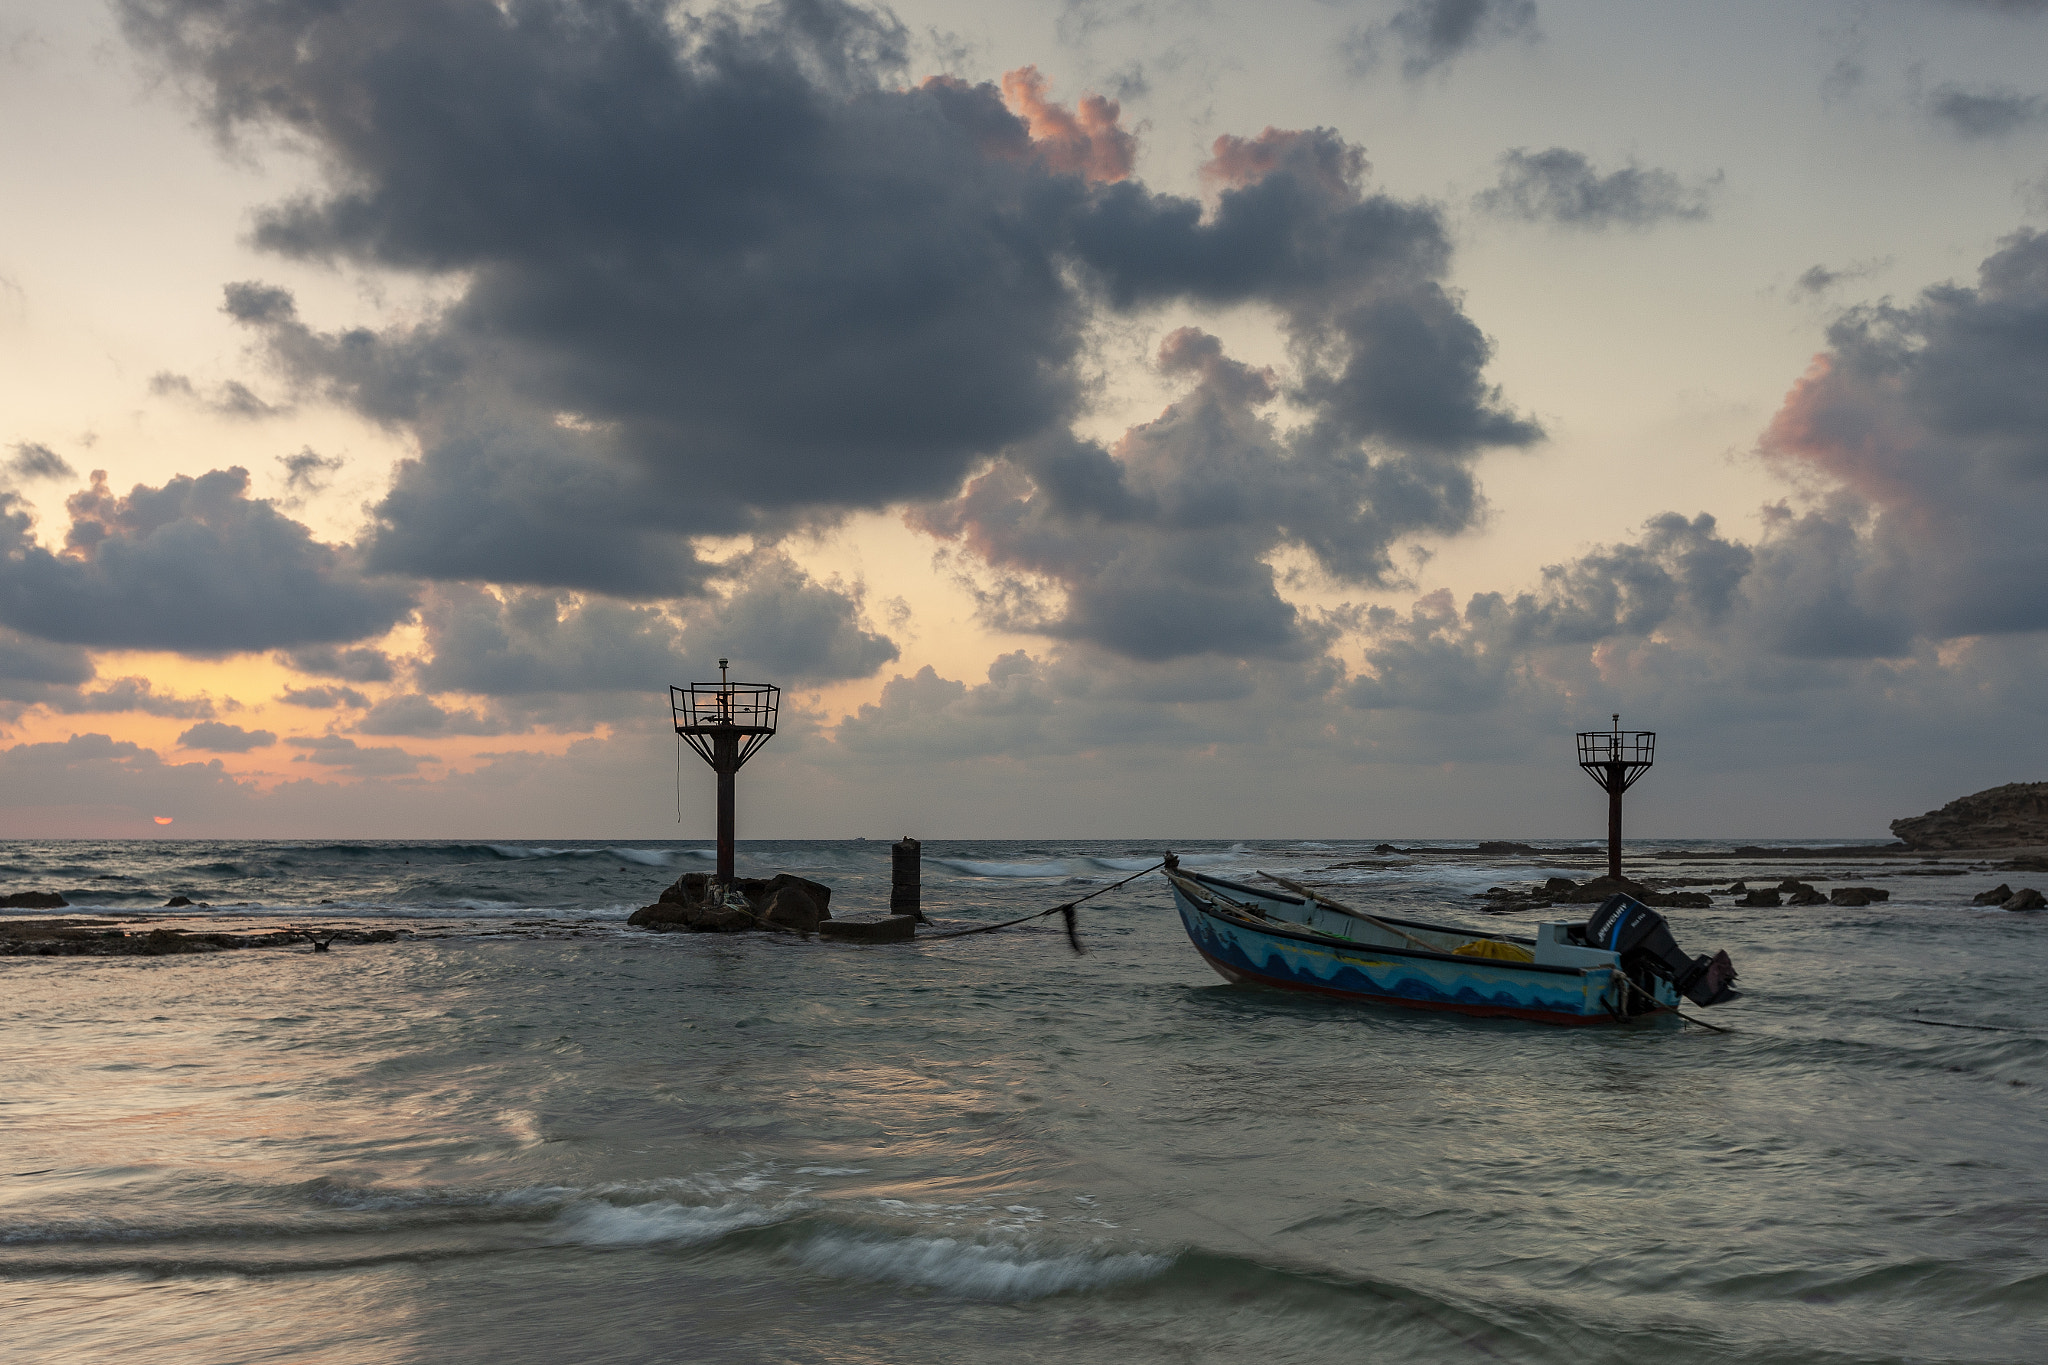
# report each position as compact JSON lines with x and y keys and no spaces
{"x":1501,"y":848}
{"x":893,"y":929}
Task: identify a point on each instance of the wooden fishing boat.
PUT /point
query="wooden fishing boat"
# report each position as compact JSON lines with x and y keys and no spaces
{"x":1296,"y":939}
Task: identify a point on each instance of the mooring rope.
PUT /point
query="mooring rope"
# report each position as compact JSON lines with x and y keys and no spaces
{"x":1067,"y":910}
{"x":1658,"y":1004}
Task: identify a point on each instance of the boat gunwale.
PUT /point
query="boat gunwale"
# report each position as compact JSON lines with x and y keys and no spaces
{"x":1305,"y":935}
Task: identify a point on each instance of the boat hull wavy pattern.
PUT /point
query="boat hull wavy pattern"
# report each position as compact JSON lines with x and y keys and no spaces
{"x":1241,"y":953}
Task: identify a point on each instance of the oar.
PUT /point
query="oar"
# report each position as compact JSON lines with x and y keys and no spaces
{"x":1320,"y":899}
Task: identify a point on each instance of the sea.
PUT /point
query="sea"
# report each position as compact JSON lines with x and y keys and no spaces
{"x":527,"y":1132}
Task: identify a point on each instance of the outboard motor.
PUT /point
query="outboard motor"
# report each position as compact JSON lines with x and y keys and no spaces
{"x":1626,"y":926}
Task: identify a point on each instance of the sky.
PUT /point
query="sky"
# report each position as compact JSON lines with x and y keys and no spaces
{"x":1102,"y":418}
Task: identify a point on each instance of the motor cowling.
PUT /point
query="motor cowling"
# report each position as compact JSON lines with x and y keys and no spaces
{"x":1626,"y":926}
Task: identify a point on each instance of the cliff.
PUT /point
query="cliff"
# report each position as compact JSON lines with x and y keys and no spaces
{"x":2001,"y":817}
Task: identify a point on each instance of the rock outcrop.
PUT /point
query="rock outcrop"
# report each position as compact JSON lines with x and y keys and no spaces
{"x":2000,"y":817}
{"x":2026,"y":898}
{"x":1997,"y":895}
{"x":1565,"y":891}
{"x":784,"y":901}
{"x":1857,"y":895}
{"x":33,"y":900}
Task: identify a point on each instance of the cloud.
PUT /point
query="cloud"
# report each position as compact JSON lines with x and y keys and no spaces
{"x":215,"y":737}
{"x":362,"y":664}
{"x":1080,"y":700}
{"x":1819,"y":279}
{"x":736,"y":276}
{"x":323,"y":698}
{"x":307,"y":473}
{"x":98,"y":774}
{"x":1562,"y":186}
{"x":409,"y":713}
{"x":33,"y":460}
{"x":1083,"y":141}
{"x":230,"y":398}
{"x":1931,"y":420}
{"x":1985,"y":115}
{"x":1163,"y":547}
{"x":335,"y":751}
{"x":195,"y":567}
{"x":131,"y":694}
{"x":1431,"y":34}
{"x":775,"y":621}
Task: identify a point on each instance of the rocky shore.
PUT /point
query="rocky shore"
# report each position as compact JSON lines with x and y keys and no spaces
{"x":77,"y":936}
{"x":2014,"y":815}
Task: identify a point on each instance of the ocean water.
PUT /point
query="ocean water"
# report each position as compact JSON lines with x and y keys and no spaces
{"x":530,"y":1133}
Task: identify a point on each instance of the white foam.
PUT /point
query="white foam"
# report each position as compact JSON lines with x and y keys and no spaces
{"x":600,"y":1224}
{"x":980,"y":869}
{"x":832,"y":1170}
{"x":975,"y":1270}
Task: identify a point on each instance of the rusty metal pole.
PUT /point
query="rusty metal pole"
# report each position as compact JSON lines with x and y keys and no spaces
{"x":1614,"y":790}
{"x":726,"y":750}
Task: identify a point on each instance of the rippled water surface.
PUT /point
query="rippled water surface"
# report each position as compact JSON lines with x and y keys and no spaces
{"x":533,"y":1134}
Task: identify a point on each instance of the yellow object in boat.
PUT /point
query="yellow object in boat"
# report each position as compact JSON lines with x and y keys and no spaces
{"x":1498,"y":949}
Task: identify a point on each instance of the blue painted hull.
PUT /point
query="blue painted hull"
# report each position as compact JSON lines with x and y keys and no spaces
{"x":1243,"y":948}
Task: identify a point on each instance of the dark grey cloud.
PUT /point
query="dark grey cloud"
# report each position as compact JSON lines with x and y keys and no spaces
{"x":730,"y":276}
{"x":195,"y":566}
{"x":1164,"y":550}
{"x":216,"y":738}
{"x":338,"y":752}
{"x":1431,"y":34}
{"x":33,"y":671}
{"x":1558,"y":185}
{"x":775,"y":623}
{"x":1985,"y":114}
{"x":323,"y":698}
{"x":361,"y":664}
{"x":34,"y":460}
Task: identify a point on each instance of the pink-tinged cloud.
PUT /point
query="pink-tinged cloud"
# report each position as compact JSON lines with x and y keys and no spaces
{"x":1084,"y":141}
{"x":1317,"y":154}
{"x":1857,"y":429}
{"x":163,"y":819}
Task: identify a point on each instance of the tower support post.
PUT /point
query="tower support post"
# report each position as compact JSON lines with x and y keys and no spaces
{"x":727,"y":766}
{"x":1614,"y":790}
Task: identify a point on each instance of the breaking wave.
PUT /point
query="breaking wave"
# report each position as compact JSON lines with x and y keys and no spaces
{"x":975,"y":1270}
